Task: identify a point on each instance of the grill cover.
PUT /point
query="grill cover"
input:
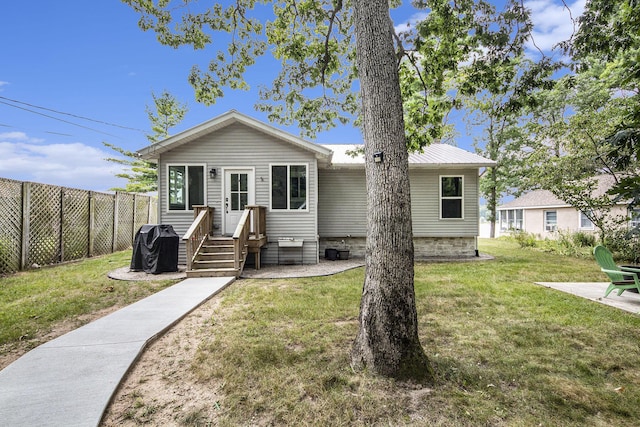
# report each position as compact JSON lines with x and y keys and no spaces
{"x":155,"y":249}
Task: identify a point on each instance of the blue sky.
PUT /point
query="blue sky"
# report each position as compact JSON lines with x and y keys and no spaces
{"x":90,"y":59}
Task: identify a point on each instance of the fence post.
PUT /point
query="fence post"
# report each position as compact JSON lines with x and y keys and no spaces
{"x":61,"y":240}
{"x":148,"y":209}
{"x":133,"y":220}
{"x":114,"y":246}
{"x":26,"y":210}
{"x":92,"y":224}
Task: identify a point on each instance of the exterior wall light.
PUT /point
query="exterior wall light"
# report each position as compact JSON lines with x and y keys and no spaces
{"x":212,"y":173}
{"x":378,"y":157}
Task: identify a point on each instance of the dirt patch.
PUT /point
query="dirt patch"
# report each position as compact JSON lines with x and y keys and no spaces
{"x":125,"y":273}
{"x":161,"y":389}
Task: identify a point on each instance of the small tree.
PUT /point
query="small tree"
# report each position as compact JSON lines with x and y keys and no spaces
{"x":608,"y":39}
{"x":142,"y":176}
{"x":169,"y":112}
{"x":572,"y":155}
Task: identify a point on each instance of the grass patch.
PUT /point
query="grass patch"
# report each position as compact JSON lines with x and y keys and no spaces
{"x":35,"y":302}
{"x":505,"y":351}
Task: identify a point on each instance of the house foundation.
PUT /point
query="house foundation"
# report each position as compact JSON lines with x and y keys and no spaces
{"x":424,"y":247}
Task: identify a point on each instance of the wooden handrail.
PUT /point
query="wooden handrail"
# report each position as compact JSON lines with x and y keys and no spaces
{"x":197,"y":233}
{"x":259,"y":219}
{"x":253,"y":221}
{"x":240,"y":239}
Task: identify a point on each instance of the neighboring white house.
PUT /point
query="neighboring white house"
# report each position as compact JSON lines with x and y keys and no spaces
{"x":314,"y":193}
{"x":541,"y":213}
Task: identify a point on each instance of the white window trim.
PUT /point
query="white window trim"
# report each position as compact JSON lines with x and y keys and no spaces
{"x":631,"y":213}
{"x":288,"y":165}
{"x":205,"y":176}
{"x":461,"y":197}
{"x":580,"y":227}
{"x":544,"y":221}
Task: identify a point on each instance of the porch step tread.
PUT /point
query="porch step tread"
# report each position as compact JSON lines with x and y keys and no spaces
{"x":216,"y":254}
{"x":214,"y":262}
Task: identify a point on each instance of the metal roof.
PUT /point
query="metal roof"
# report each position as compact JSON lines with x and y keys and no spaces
{"x":434,"y":155}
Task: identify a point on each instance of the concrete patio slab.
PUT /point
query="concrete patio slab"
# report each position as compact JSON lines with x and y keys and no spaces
{"x":628,"y":301}
{"x":69,"y":381}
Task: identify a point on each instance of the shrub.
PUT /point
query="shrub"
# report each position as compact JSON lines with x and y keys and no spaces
{"x":565,"y":243}
{"x":524,"y":239}
{"x":584,"y":240}
{"x":624,"y":244}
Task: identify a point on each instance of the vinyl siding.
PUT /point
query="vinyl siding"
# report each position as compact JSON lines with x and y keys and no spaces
{"x":342,"y":200}
{"x":425,"y":204}
{"x":238,"y":146}
{"x":343,"y":205}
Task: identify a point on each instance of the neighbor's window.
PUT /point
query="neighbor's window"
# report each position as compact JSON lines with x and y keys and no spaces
{"x":550,"y":220}
{"x":585,"y":222}
{"x":185,"y":186}
{"x":634,"y":218}
{"x":289,"y":187}
{"x":451,"y":196}
{"x":511,"y":219}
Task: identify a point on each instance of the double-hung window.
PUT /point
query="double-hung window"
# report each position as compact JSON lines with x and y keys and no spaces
{"x":550,"y":220}
{"x":451,"y":197}
{"x":585,"y":222}
{"x":289,"y":187}
{"x":634,"y":218}
{"x":185,"y":186}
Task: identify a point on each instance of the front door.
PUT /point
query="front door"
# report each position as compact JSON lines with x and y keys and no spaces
{"x":238,"y":192}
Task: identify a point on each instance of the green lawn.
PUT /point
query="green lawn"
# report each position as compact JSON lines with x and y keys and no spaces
{"x":33,"y":303}
{"x":505,"y":351}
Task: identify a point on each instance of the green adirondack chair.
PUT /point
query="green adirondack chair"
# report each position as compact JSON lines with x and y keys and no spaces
{"x":619,"y":276}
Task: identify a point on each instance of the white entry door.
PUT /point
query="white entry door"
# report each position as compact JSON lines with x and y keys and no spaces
{"x":238,"y":192}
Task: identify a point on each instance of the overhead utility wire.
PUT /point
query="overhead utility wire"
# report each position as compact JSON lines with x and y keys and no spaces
{"x":59,"y":119}
{"x":68,"y":114}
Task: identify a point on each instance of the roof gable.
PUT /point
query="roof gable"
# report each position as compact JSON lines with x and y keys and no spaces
{"x":153,"y":151}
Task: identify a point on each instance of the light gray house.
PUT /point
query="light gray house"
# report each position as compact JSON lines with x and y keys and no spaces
{"x":302,"y":197}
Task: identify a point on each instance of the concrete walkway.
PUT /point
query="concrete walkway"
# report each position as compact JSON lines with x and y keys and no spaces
{"x":628,"y":301}
{"x":69,"y":381}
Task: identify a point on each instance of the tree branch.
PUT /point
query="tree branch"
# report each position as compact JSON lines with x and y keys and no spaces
{"x":324,"y":62}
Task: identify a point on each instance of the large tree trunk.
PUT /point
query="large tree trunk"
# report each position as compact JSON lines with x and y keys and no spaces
{"x":387,"y":342}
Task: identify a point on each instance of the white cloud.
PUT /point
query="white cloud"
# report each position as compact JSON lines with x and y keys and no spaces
{"x":3,"y":84}
{"x":552,"y":22}
{"x":410,"y":23}
{"x":72,"y":165}
{"x":18,"y":136}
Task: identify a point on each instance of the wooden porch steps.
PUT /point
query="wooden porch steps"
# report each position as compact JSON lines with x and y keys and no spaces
{"x":216,"y":259}
{"x":209,"y":256}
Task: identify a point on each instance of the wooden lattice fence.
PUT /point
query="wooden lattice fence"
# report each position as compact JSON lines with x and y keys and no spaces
{"x":44,"y":224}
